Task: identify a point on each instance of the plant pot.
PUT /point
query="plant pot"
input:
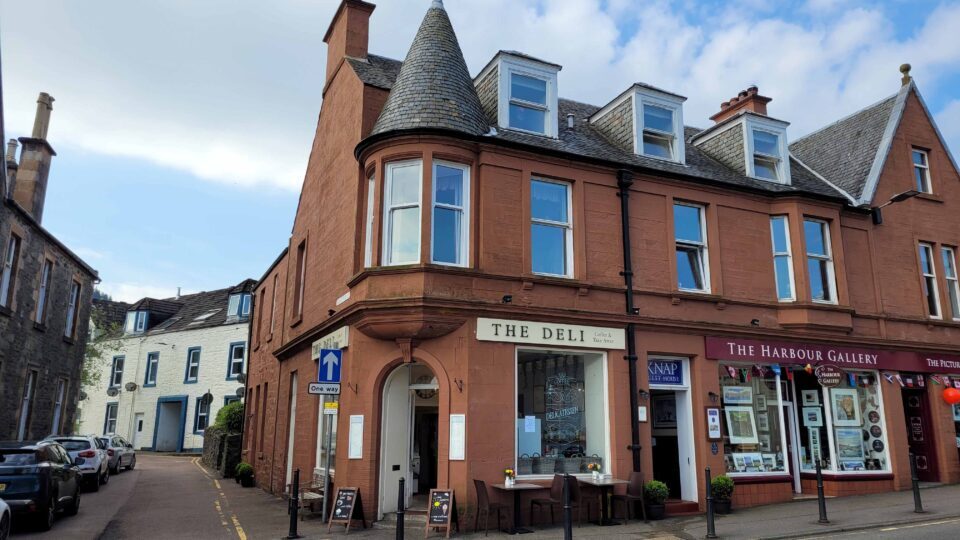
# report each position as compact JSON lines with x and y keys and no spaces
{"x":656,"y":511}
{"x":721,"y":507}
{"x":246,"y":481}
{"x":236,"y":479}
{"x":596,"y":475}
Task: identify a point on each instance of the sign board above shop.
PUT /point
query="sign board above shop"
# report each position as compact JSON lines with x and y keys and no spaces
{"x":780,"y":352}
{"x":338,"y":339}
{"x":665,"y":372}
{"x":562,"y":335}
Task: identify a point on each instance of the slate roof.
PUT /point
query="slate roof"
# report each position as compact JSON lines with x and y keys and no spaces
{"x":377,"y":71}
{"x":109,"y":313}
{"x":433,"y":88}
{"x":844,"y":152}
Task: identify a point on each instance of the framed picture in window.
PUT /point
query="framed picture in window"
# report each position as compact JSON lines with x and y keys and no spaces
{"x":761,"y":403}
{"x":813,"y":435}
{"x":741,"y":425}
{"x":810,"y":397}
{"x":849,"y":443}
{"x":765,"y":442}
{"x":738,"y":395}
{"x":763,"y":422}
{"x":846,"y":407}
{"x":748,"y":462}
{"x":812,"y":417}
{"x":664,"y":411}
{"x":956,"y":412}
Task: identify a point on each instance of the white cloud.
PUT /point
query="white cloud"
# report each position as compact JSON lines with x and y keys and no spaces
{"x":230,"y":90}
{"x":131,"y":292}
{"x":948,"y":120}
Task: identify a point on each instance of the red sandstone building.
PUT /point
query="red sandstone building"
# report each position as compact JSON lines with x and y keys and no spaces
{"x":461,"y":238}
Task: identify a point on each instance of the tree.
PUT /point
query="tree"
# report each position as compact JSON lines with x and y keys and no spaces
{"x":102,"y":343}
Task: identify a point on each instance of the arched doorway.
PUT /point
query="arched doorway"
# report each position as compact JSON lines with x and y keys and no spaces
{"x":409,"y":436}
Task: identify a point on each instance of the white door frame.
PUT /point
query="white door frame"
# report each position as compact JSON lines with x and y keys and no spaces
{"x":385,"y":490}
{"x":686,"y":446}
{"x":291,"y":429}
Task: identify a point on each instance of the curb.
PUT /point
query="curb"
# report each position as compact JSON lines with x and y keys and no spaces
{"x":927,"y":516}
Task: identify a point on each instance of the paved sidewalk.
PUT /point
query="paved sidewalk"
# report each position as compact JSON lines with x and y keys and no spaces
{"x":264,"y":516}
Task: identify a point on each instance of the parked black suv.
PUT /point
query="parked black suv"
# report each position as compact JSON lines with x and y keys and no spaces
{"x":38,"y":480}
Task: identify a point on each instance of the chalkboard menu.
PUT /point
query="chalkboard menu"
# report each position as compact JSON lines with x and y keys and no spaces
{"x":345,"y":506}
{"x":442,"y":513}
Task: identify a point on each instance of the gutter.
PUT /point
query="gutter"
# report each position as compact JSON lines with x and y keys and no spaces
{"x":624,"y":181}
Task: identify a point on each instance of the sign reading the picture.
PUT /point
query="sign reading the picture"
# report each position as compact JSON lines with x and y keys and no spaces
{"x":777,"y":352}
{"x":828,"y":376}
{"x":665,"y":372}
{"x":537,"y":333}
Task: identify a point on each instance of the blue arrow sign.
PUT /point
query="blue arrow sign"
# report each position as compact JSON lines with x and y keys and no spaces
{"x":329,"y":366}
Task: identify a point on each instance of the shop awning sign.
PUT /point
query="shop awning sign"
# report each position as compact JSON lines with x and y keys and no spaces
{"x":669,"y":372}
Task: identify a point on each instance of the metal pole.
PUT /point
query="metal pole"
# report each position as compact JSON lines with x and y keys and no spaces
{"x":915,"y":480}
{"x":400,"y":498}
{"x":326,"y":465}
{"x":821,"y":501}
{"x":294,"y":504}
{"x":711,"y":527}
{"x":567,"y":510}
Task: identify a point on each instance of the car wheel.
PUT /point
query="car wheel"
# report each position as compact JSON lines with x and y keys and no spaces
{"x":4,"y":527}
{"x":74,"y":506}
{"x":133,"y":463}
{"x":95,"y":483}
{"x":47,"y":515}
{"x":105,"y":477}
{"x":116,"y":469}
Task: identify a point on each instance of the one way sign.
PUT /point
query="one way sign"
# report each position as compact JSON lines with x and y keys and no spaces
{"x":329,"y":366}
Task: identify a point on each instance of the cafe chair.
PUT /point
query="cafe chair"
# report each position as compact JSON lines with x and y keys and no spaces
{"x":555,"y":498}
{"x":576,"y":500}
{"x":484,"y":506}
{"x":634,"y":493}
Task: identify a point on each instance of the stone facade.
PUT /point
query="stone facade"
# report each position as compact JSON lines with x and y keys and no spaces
{"x":487,"y":90}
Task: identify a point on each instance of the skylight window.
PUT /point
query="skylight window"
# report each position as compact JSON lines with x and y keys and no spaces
{"x":206,"y":315}
{"x":168,"y":323}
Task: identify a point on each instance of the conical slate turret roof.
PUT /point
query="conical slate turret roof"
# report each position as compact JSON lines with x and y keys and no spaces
{"x":434,"y":88}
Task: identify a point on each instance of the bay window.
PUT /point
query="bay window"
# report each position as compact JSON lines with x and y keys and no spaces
{"x":782,"y":258}
{"x":753,"y":438}
{"x":928,"y":274}
{"x":551,"y":233}
{"x":823,"y":287}
{"x":401,"y":210}
{"x":953,"y":285}
{"x":690,"y":233}
{"x":451,"y":221}
{"x":561,"y":422}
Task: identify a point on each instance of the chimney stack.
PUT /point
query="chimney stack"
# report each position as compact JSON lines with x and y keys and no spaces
{"x":348,"y":34}
{"x":11,"y":159}
{"x":30,"y":185}
{"x":748,"y":99}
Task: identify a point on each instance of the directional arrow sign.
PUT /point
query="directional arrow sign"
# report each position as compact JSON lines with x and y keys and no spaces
{"x":329,"y":366}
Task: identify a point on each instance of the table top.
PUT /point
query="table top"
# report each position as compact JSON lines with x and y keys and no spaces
{"x":609,"y":482}
{"x":519,"y":487}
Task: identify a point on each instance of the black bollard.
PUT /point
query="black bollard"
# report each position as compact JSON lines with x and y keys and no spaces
{"x":294,"y":504}
{"x":711,"y":527}
{"x":401,"y":496}
{"x":821,"y":501}
{"x":567,"y":510}
{"x":915,"y":480}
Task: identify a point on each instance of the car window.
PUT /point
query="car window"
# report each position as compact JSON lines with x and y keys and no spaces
{"x":64,"y":456}
{"x":15,"y":457}
{"x":73,"y":445}
{"x":105,"y":442}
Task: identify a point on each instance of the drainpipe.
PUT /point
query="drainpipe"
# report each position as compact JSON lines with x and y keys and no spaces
{"x":624,"y":181}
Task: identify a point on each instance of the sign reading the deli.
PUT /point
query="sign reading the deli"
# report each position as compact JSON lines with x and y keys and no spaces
{"x":538,"y":333}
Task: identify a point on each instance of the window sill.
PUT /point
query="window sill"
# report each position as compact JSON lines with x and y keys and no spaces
{"x":190,"y":382}
{"x":760,"y":478}
{"x":40,"y":327}
{"x":68,"y":340}
{"x":932,"y":197}
{"x":848,"y":475}
{"x":664,"y":160}
{"x":145,"y":385}
{"x":296,"y":321}
{"x":269,"y":338}
{"x":527,"y":132}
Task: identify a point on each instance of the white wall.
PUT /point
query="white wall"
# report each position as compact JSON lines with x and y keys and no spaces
{"x":215,"y":346}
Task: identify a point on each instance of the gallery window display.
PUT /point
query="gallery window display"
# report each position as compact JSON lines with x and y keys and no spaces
{"x":561,"y":412}
{"x":843,"y":426}
{"x":752,"y":421}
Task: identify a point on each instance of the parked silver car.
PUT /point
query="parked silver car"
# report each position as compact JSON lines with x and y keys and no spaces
{"x":4,"y":520}
{"x":120,"y":453}
{"x":90,"y":454}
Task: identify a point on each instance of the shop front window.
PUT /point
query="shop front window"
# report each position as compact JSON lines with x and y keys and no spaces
{"x":561,"y":422}
{"x":843,"y":426}
{"x":752,"y":427}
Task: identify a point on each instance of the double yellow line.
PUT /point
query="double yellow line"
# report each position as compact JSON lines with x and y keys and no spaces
{"x":216,"y":503}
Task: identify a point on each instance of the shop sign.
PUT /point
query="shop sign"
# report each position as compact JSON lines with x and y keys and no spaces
{"x":338,"y":339}
{"x":779,"y":352}
{"x":828,"y":376}
{"x":538,"y":333}
{"x":669,"y":372}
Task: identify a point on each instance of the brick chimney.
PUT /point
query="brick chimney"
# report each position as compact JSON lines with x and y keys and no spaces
{"x":30,"y":186}
{"x":348,"y":34}
{"x":11,"y":159}
{"x":748,"y":99}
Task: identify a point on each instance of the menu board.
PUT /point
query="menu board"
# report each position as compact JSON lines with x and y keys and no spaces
{"x":345,"y":505}
{"x":442,"y":512}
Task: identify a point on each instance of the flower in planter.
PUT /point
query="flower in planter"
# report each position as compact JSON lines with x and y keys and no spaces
{"x":593,"y":466}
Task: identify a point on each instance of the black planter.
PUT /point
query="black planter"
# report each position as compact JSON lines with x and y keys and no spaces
{"x":656,"y":511}
{"x":236,"y":479}
{"x":246,"y":481}
{"x":721,"y":507}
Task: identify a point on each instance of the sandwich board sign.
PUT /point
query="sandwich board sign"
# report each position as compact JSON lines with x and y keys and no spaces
{"x":347,"y":508}
{"x":442,"y":514}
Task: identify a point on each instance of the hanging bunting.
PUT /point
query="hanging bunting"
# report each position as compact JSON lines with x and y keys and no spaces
{"x":899,"y":379}
{"x":853,"y":379}
{"x":732,"y":371}
{"x":935,"y":379}
{"x":888,"y":377}
{"x":789,"y":374}
{"x":920,"y":382}
{"x":956,"y":383}
{"x":776,"y":369}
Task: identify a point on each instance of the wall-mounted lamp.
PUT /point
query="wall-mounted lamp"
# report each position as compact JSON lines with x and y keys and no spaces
{"x":755,"y":322}
{"x":644,"y":395}
{"x":876,"y":213}
{"x":635,"y":311}
{"x":714,"y":397}
{"x":507,"y":298}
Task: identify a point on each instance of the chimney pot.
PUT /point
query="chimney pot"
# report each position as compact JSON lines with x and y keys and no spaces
{"x":752,"y":89}
{"x":742,"y":94}
{"x":749,"y":99}
{"x":11,"y":151}
{"x":41,"y":122}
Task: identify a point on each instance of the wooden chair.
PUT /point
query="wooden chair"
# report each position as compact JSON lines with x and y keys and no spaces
{"x":576,"y":500}
{"x":555,"y":498}
{"x":484,"y":506}
{"x":634,"y":493}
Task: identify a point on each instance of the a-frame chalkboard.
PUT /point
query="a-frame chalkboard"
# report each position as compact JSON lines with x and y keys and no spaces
{"x":442,"y":511}
{"x":345,"y":506}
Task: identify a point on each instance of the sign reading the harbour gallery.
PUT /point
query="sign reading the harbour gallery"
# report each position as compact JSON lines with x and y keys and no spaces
{"x":538,"y":333}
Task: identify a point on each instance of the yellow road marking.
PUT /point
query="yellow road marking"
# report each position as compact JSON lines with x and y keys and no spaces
{"x":217,"y":483}
{"x":236,"y":525}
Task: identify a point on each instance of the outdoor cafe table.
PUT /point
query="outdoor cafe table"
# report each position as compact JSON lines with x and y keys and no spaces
{"x":516,"y":488}
{"x":606,"y":487}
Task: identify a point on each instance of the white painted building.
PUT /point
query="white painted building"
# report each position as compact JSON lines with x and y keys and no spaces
{"x":171,"y":353}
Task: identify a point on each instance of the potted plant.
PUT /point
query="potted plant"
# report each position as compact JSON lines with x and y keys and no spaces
{"x":509,"y":476}
{"x":655,"y":493}
{"x":594,"y":468}
{"x":244,"y":472}
{"x":721,"y":488}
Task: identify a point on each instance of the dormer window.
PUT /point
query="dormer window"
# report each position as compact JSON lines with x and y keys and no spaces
{"x":658,"y":134}
{"x":527,"y":92}
{"x":766,"y":159}
{"x":766,"y":150}
{"x":136,"y":322}
{"x":647,"y":120}
{"x":239,"y":305}
{"x":528,"y":103}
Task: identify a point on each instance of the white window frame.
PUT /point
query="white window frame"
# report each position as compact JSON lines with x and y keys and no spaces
{"x":234,"y":361}
{"x":58,"y":406}
{"x":368,"y":241}
{"x":831,"y":271}
{"x":116,"y":375}
{"x":925,"y":167}
{"x":26,"y":404}
{"x":567,"y":226}
{"x":509,"y":65}
{"x":773,"y":127}
{"x":70,"y":329}
{"x":153,"y":366}
{"x":45,"y":272}
{"x":702,"y":247}
{"x":388,"y":208}
{"x":933,"y":287}
{"x":463,"y":251}
{"x":675,"y":103}
{"x":788,"y":254}
{"x":273,"y":303}
{"x":115,"y":407}
{"x":193,"y":361}
{"x":953,"y":281}
{"x":9,"y":273}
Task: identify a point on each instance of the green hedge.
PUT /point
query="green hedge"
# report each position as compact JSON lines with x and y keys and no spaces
{"x":230,"y":417}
